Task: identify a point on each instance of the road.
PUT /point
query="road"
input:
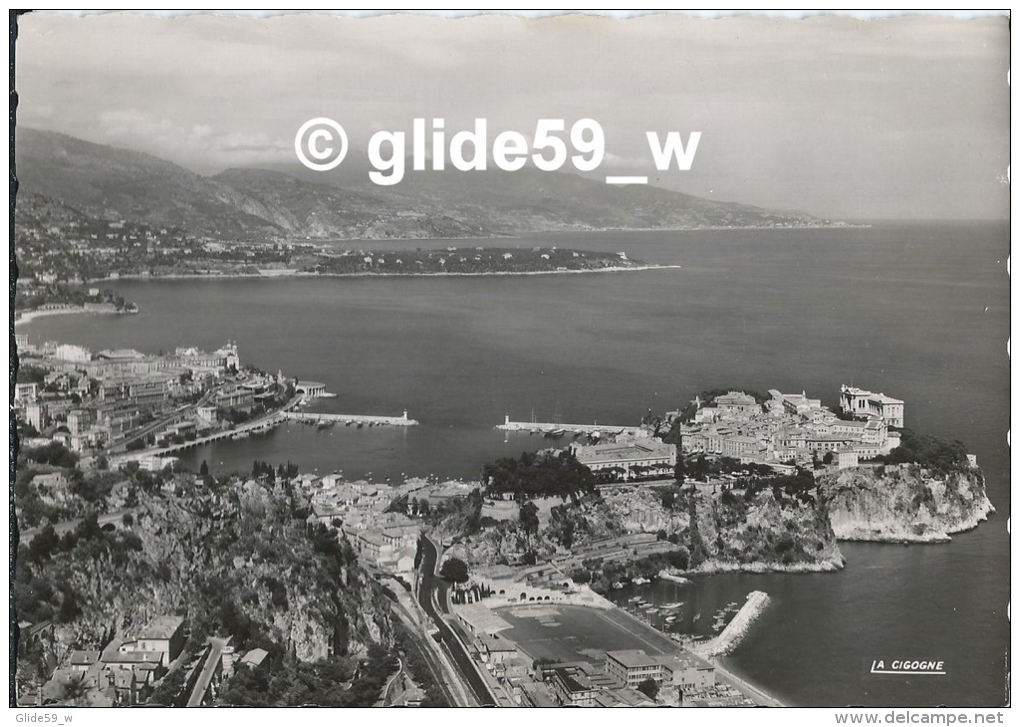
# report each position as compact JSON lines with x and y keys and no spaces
{"x":209,"y":670}
{"x":431,"y":585}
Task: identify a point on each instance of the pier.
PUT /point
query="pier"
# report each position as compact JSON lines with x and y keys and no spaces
{"x":596,"y":429}
{"x":349,"y":419}
{"x":266,"y":423}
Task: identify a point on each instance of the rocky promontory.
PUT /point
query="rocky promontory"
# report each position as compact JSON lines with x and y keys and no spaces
{"x":904,"y":503}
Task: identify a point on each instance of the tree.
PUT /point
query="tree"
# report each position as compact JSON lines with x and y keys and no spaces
{"x":529,"y":517}
{"x":204,"y":469}
{"x":649,"y":687}
{"x":44,"y":543}
{"x":580,"y":575}
{"x":454,"y":570}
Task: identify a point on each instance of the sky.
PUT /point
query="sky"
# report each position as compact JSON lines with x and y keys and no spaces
{"x":838,"y":117}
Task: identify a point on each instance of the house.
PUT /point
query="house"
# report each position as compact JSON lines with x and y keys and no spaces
{"x":82,"y":660}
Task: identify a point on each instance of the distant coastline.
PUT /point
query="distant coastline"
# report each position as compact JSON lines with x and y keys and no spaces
{"x":271,"y":274}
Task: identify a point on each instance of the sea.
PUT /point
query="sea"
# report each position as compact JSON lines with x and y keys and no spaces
{"x":919,"y":311}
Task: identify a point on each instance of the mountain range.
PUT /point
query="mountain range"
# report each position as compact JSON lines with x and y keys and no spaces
{"x":291,"y":202}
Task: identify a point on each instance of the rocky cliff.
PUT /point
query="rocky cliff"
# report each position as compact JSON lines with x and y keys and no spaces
{"x":904,"y":502}
{"x":762,"y":533}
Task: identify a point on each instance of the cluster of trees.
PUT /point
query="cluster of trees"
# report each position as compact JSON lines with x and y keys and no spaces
{"x":928,"y":451}
{"x":601,"y":575}
{"x":410,"y":506}
{"x":53,"y":453}
{"x":460,"y":515}
{"x":700,"y":467}
{"x":556,"y":474}
{"x":800,"y":486}
{"x":264,"y":469}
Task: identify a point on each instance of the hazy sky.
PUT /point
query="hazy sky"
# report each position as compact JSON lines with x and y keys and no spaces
{"x":905,"y":117}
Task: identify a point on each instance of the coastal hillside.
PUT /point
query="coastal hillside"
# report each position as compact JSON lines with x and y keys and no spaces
{"x":116,"y":184}
{"x":904,"y":502}
{"x":233,"y":558}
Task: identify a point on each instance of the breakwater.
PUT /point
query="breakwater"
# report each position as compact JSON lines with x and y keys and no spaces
{"x":737,"y":628}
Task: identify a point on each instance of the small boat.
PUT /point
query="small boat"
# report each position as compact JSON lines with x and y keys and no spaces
{"x":697,"y":616}
{"x":639,"y":581}
{"x":671,"y":606}
{"x":670,"y":619}
{"x":617,"y":585}
{"x":634,"y":599}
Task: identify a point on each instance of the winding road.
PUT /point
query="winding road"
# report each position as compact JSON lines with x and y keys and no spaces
{"x":432,"y":590}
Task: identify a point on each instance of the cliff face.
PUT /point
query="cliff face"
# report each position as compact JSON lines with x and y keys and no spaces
{"x":766,"y":533}
{"x":904,"y":503}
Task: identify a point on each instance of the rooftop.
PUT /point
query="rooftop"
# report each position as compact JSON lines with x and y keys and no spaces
{"x":633,"y":658}
{"x":162,"y":627}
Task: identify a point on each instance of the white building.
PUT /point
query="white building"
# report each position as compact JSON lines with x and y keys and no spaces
{"x":861,"y":403}
{"x":70,"y":352}
{"x":631,"y":459}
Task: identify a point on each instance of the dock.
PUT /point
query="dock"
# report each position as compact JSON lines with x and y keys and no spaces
{"x":595,"y":429}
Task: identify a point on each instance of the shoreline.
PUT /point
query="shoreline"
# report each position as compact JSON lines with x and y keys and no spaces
{"x":722,"y":667}
{"x":289,"y":274}
{"x":710,"y":567}
{"x":740,"y":683}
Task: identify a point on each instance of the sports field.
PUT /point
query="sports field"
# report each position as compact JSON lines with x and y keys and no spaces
{"x":579,"y":633}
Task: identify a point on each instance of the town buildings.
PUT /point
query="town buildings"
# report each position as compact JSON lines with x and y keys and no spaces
{"x":794,"y":428}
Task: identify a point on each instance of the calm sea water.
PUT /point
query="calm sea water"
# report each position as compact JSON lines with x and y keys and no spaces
{"x":917,"y":311}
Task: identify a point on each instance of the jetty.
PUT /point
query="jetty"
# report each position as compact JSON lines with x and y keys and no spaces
{"x":591,"y":430}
